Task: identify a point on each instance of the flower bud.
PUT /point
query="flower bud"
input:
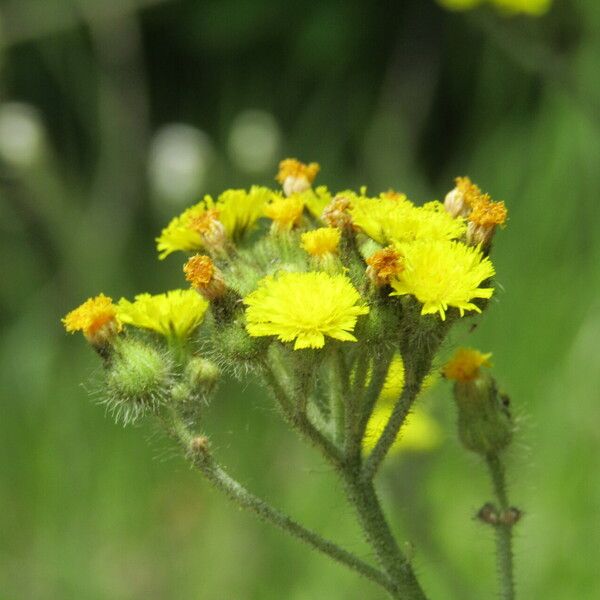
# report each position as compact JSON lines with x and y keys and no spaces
{"x":484,"y":422}
{"x":202,"y":373}
{"x":137,"y":381}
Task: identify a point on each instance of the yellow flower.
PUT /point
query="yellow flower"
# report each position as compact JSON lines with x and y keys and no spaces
{"x":420,"y":433}
{"x":295,"y":176}
{"x":239,"y":209}
{"x":486,"y":213}
{"x":176,"y":313}
{"x":285,"y":212}
{"x":205,"y":277}
{"x":320,"y":242}
{"x":179,"y":233}
{"x":532,"y":7}
{"x":443,"y":273}
{"x":236,"y":210}
{"x":96,"y":318}
{"x":304,"y":307}
{"x":383,"y":265}
{"x":465,"y":364}
{"x":392,"y":221}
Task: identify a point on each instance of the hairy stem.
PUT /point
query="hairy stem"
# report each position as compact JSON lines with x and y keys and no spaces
{"x":504,"y":551}
{"x":298,"y":420}
{"x":197,"y":449}
{"x":363,"y":497}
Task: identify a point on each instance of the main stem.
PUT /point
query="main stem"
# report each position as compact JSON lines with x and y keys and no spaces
{"x":363,"y":497}
{"x":504,"y":551}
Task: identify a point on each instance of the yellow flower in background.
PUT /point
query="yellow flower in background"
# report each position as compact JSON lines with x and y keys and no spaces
{"x":393,"y":221}
{"x":531,"y":7}
{"x":304,"y":307}
{"x":465,"y":364}
{"x":285,"y":212}
{"x":96,"y":318}
{"x":175,"y":313}
{"x":321,"y":242}
{"x":295,"y":176}
{"x":236,"y":210}
{"x":420,"y":433}
{"x":442,"y":274}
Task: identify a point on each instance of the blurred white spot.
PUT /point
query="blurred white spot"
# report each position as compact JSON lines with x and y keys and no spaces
{"x":254,"y":141}
{"x":178,"y":163}
{"x":21,"y":134}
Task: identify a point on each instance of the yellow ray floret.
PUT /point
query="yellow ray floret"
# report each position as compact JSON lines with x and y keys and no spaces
{"x":442,"y":274}
{"x":321,"y":242}
{"x":304,"y":307}
{"x":285,"y":212}
{"x":465,"y":364}
{"x":175,"y":313}
{"x":393,"y":221}
{"x":91,"y":316}
{"x":237,"y":210}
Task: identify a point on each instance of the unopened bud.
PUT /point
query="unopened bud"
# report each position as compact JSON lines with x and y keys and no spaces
{"x":138,"y":380}
{"x":484,"y":423}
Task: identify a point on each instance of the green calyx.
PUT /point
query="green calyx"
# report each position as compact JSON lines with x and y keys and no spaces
{"x":484,"y":422}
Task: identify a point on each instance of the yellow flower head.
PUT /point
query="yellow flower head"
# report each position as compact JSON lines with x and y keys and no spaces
{"x":321,"y":242}
{"x":96,"y":318}
{"x":443,"y":273}
{"x":240,"y":209}
{"x":421,"y":432}
{"x":458,"y":201}
{"x":232,"y":214}
{"x":393,"y":221}
{"x":530,"y":7}
{"x":295,"y":176}
{"x":486,"y":213}
{"x":176,"y":313}
{"x":285,"y":212}
{"x":465,"y":364}
{"x":205,"y":277}
{"x":180,"y":234}
{"x":304,"y":307}
{"x":383,"y":265}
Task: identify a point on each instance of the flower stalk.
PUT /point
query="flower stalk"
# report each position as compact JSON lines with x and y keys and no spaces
{"x":339,"y":304}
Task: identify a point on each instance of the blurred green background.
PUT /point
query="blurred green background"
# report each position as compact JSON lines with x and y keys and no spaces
{"x":116,"y":114}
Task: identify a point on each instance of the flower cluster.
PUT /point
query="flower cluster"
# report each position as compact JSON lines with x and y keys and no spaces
{"x":305,"y":269}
